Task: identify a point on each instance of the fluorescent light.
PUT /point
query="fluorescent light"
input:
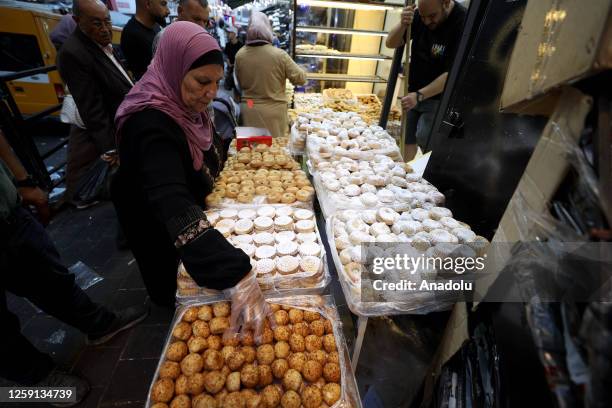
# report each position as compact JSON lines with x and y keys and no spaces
{"x":339,"y":31}
{"x":348,"y":5}
{"x":348,"y":57}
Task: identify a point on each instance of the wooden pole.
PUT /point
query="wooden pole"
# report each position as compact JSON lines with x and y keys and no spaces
{"x":406,"y":72}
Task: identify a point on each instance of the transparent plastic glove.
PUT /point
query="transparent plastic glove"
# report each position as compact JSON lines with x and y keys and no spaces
{"x":249,"y":309}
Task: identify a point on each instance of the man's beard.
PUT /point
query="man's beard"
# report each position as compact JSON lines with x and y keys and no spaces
{"x":161,"y":21}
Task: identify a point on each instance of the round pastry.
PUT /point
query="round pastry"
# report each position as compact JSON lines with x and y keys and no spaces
{"x":265,"y":251}
{"x":369,"y":199}
{"x":163,"y":390}
{"x":352,"y":190}
{"x":242,"y":239}
{"x":248,"y":249}
{"x":303,"y":195}
{"x":273,"y":198}
{"x":438,"y":213}
{"x":310,"y":264}
{"x":284,"y":212}
{"x":306,"y":237}
{"x":421,"y":241}
{"x":385,"y":196}
{"x":283,"y":223}
{"x":430,"y":225}
{"x":379,"y":228}
{"x":243,"y":226}
{"x":358,"y":237}
{"x":288,"y":198}
{"x":213,"y":199}
{"x":266,"y":211}
{"x":265,"y":267}
{"x":310,"y":249}
{"x":345,"y":256}
{"x":292,"y":190}
{"x":287,"y":265}
{"x":263,"y":223}
{"x":368,"y":188}
{"x":419,"y":214}
{"x":263,"y":238}
{"x":303,"y":214}
{"x":439,"y":236}
{"x":284,"y":236}
{"x":464,"y":235}
{"x":449,"y":223}
{"x":305,"y":226}
{"x":387,"y":215}
{"x":287,"y":248}
{"x":261,"y":190}
{"x":247,"y":213}
{"x":332,"y":185}
{"x":437,"y":197}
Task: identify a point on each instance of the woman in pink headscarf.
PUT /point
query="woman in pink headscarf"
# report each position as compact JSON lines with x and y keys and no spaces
{"x":170,"y":156}
{"x":262,"y":71}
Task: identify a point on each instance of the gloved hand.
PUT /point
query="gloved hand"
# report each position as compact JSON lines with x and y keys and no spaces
{"x":249,"y":308}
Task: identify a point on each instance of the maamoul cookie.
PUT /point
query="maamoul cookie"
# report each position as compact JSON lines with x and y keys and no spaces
{"x":247,"y":213}
{"x":306,"y":237}
{"x":263,"y":238}
{"x":265,"y":251}
{"x":287,"y":248}
{"x":310,"y":249}
{"x":263,"y":223}
{"x":243,"y":226}
{"x":287,"y":265}
{"x":304,"y":226}
{"x":303,"y":214}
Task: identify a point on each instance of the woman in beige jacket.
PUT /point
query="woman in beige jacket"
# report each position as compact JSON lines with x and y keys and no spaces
{"x":261,"y":71}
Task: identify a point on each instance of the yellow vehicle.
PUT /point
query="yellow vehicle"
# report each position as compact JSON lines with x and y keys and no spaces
{"x":25,"y":44}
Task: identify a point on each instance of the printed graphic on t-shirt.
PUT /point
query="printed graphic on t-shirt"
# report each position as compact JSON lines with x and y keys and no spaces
{"x":437,"y":50}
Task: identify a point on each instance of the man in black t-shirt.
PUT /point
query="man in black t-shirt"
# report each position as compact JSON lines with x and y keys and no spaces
{"x":231,"y":49}
{"x":435,"y":29}
{"x":138,"y":34}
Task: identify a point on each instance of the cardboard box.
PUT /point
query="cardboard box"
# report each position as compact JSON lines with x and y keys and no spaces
{"x":559,"y":42}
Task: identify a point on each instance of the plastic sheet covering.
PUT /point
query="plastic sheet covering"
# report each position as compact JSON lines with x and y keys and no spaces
{"x":321,"y":304}
{"x":297,"y":142}
{"x":85,"y":277}
{"x":258,"y":200}
{"x":276,"y":285}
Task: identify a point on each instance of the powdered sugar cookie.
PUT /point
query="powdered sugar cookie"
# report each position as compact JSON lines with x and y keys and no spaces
{"x":369,"y":199}
{"x":263,"y":223}
{"x":311,"y":264}
{"x":305,"y":226}
{"x":285,"y":236}
{"x":287,"y":265}
{"x":287,"y":248}
{"x":265,"y":251}
{"x":437,"y":213}
{"x":303,"y":214}
{"x":243,"y":226}
{"x":247,"y":214}
{"x":310,"y":249}
{"x":306,"y":237}
{"x":266,"y":211}
{"x":263,"y":238}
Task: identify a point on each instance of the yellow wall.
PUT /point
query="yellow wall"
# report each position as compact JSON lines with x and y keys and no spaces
{"x":365,"y":44}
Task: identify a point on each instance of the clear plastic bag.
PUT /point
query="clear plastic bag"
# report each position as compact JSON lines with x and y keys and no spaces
{"x":324,"y":305}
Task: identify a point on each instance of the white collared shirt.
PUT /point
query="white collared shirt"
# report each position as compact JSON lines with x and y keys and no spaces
{"x":108,"y":50}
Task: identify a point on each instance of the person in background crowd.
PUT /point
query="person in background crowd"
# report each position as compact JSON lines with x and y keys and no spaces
{"x":30,"y":267}
{"x":195,"y":11}
{"x":276,"y":40}
{"x":264,"y":103}
{"x":98,"y":83}
{"x":170,"y":156}
{"x":231,"y":49}
{"x":62,"y":30}
{"x":212,"y":29}
{"x":138,"y":34}
{"x":436,"y":29}
{"x":221,"y":32}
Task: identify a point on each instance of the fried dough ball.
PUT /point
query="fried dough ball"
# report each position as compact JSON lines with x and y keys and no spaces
{"x":232,"y":383}
{"x":270,"y":396}
{"x":331,"y":372}
{"x":319,"y":356}
{"x":267,"y":335}
{"x":275,"y":307}
{"x":226,"y":351}
{"x":282,"y":333}
{"x":214,"y":381}
{"x":192,"y":364}
{"x":221,"y":309}
{"x":163,"y":390}
{"x":181,"y":386}
{"x":329,"y":343}
{"x":196,"y":383}
{"x":291,"y":399}
{"x":235,"y":360}
{"x":265,"y":375}
{"x":333,"y":357}
{"x":182,"y":331}
{"x":252,"y":398}
{"x":331,"y":393}
{"x":226,"y":371}
{"x":282,"y":349}
{"x":249,"y":354}
{"x":310,"y":316}
{"x":247,"y":338}
{"x":296,"y":316}
{"x":200,"y":328}
{"x":204,"y":401}
{"x":296,"y":341}
{"x":159,"y":405}
{"x":233,"y":340}
{"x":312,"y":370}
{"x":181,"y":401}
{"x":213,"y":360}
{"x":292,"y":380}
{"x":313,"y":343}
{"x":279,"y":368}
{"x":249,"y":376}
{"x":317,"y":328}
{"x":297,"y":361}
{"x":265,"y":354}
{"x":234,"y":400}
{"x":301,"y":328}
{"x":218,"y":325}
{"x":319,"y":383}
{"x":329,"y":329}
{"x":311,"y":397}
{"x":281,"y":317}
{"x":170,"y":369}
{"x":220,"y":397}
{"x":191,"y":315}
{"x":177,"y":351}
{"x":197,"y":344}
{"x":205,"y":313}
{"x":214,"y":343}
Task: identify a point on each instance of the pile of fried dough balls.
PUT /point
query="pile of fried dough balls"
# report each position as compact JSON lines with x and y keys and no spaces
{"x":296,"y":365}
